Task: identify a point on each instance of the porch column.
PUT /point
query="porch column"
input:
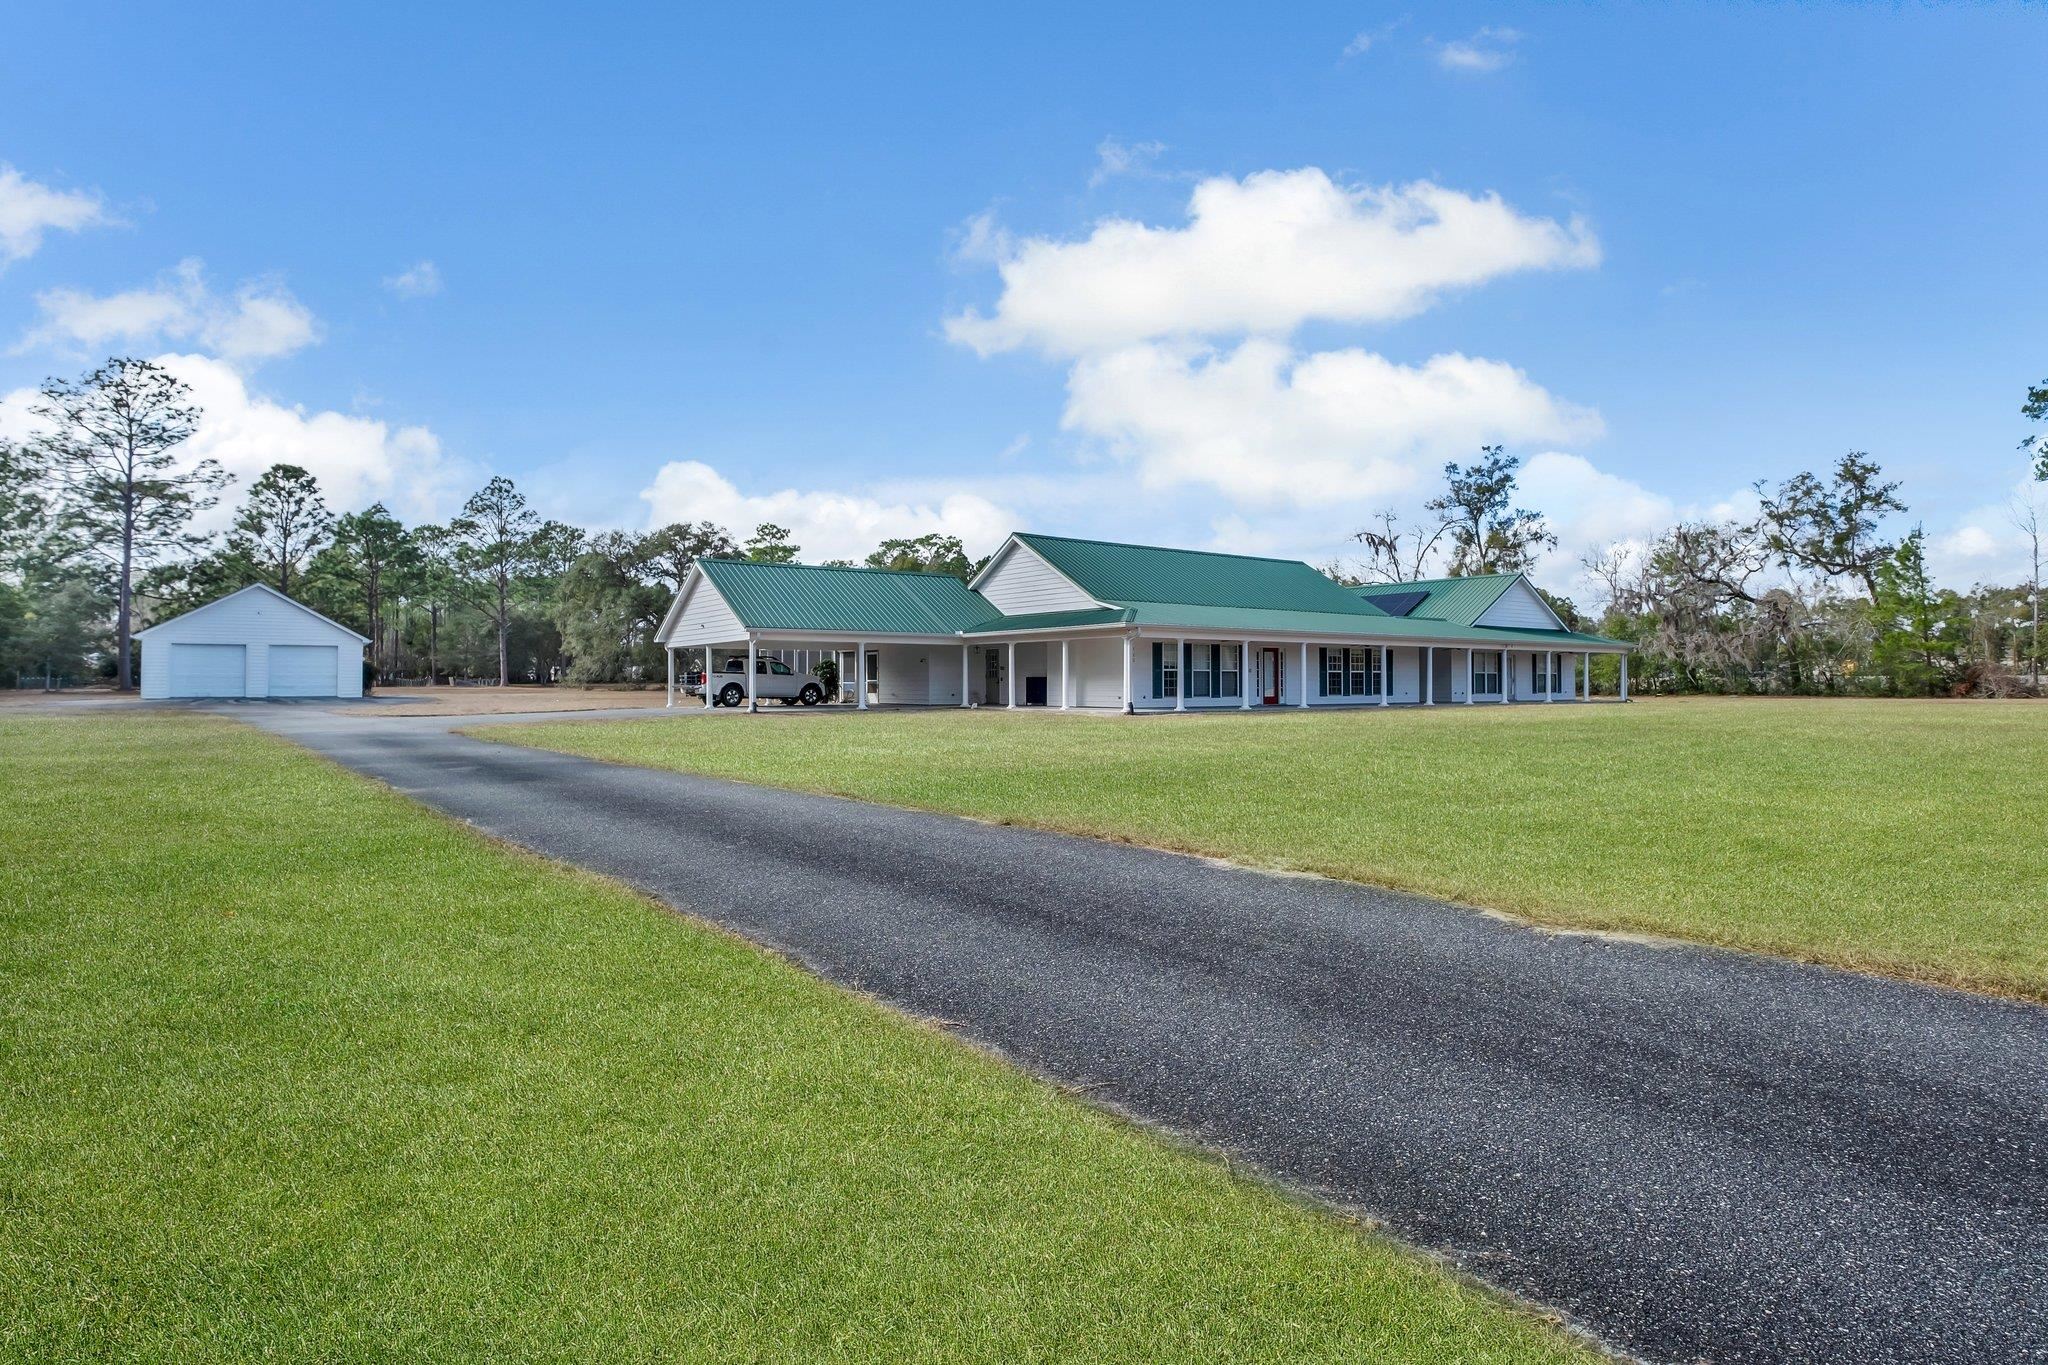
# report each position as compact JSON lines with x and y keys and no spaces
{"x":963,"y":673}
{"x":1180,"y":674}
{"x":709,"y":700}
{"x":1128,"y":708}
{"x":1550,"y":676}
{"x":1468,"y":677}
{"x":753,"y":657}
{"x":1244,"y":675}
{"x":1066,"y":677}
{"x":1304,"y":675}
{"x":1507,"y":676}
{"x":1010,"y":677}
{"x":1386,"y":673}
{"x":670,"y":651}
{"x":1586,"y":676}
{"x":1624,"y":675}
{"x":1427,"y":657}
{"x":860,"y":675}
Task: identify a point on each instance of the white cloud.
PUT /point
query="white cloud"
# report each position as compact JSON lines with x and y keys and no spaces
{"x":1589,"y":511}
{"x":828,"y":525}
{"x":1364,"y":40}
{"x":1486,"y":51}
{"x":358,"y":460}
{"x":418,"y":281}
{"x":1587,"y":507}
{"x":29,"y":209}
{"x":1987,"y":544}
{"x":1261,"y":255}
{"x":1263,"y":423}
{"x":1114,"y":158}
{"x":983,"y":240}
{"x":262,"y":320}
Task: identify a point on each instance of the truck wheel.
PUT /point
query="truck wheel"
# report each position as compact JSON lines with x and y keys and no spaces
{"x":811,"y":695}
{"x":732,"y":694}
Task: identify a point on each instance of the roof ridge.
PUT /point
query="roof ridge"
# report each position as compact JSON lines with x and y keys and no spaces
{"x":826,"y":568}
{"x":1028,"y":536}
{"x":1424,"y":582}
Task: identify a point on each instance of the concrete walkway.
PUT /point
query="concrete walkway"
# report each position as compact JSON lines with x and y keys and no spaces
{"x":1697,"y":1155}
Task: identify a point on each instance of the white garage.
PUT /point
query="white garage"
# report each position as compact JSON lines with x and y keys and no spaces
{"x":252,"y":643}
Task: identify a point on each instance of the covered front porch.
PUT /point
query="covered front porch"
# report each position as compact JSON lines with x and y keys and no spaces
{"x":1131,"y":671}
{"x":1182,"y":673}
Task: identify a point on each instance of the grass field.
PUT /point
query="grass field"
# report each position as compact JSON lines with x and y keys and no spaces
{"x":1904,"y":837}
{"x":292,"y":1069}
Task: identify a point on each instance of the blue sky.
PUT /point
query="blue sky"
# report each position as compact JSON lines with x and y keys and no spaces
{"x":717,"y":264}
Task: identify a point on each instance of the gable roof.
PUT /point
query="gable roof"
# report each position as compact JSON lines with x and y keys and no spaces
{"x":239,"y":592}
{"x":1121,"y":574}
{"x":814,"y":597}
{"x":1192,"y":590}
{"x":1460,"y":601}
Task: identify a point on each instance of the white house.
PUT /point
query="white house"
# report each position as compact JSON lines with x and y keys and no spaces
{"x":252,"y":643}
{"x":1055,"y":621}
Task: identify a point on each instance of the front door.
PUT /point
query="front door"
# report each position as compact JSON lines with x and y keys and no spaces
{"x":1269,"y":676}
{"x":992,"y":676}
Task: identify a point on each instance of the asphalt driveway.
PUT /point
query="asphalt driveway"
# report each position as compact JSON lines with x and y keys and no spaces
{"x":1695,"y":1154}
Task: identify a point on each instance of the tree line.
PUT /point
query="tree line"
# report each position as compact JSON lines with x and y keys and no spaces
{"x":97,"y":520}
{"x":1824,"y":589}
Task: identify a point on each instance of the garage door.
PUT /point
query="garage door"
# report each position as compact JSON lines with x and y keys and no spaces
{"x":302,"y":670}
{"x":208,"y":670}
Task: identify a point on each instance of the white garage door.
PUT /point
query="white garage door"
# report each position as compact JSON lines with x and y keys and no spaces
{"x":302,"y":670}
{"x":208,"y":670}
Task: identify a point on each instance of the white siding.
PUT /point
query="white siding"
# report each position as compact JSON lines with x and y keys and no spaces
{"x":942,"y":668}
{"x":705,"y":619}
{"x":1522,"y":607}
{"x":255,"y":619}
{"x":1021,"y":582}
{"x":1525,"y":674}
{"x":914,"y":675}
{"x":1098,"y":666}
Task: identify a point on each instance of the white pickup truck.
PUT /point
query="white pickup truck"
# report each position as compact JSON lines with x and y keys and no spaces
{"x":773,"y":680}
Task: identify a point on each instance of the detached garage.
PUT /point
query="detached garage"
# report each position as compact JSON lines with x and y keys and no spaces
{"x":252,"y":643}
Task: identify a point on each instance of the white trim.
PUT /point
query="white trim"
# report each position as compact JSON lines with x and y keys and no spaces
{"x":253,"y":587}
{"x":1014,"y":543}
{"x":1520,"y":580}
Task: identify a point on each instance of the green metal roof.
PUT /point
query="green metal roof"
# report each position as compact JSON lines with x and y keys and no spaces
{"x":1197,"y":591}
{"x":1123,"y":574}
{"x":1461,"y":601}
{"x":1054,"y":620}
{"x":810,"y":597}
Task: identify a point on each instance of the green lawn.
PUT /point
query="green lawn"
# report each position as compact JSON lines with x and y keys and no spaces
{"x":1905,"y":837}
{"x":290,"y":1068}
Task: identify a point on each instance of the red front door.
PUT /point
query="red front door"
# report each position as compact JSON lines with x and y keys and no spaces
{"x":1269,"y":676}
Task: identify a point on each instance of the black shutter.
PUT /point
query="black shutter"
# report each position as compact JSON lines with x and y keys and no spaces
{"x":1158,"y":668}
{"x":1323,"y":669}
